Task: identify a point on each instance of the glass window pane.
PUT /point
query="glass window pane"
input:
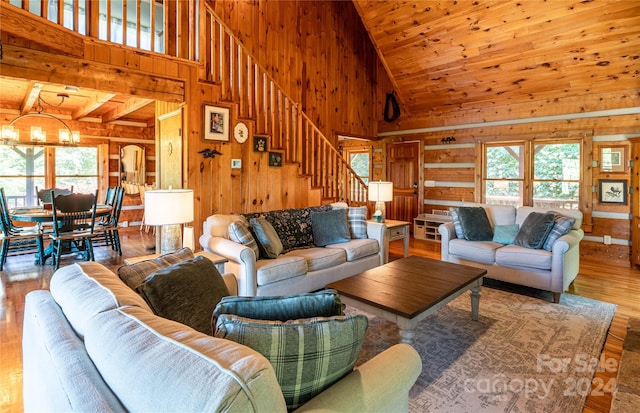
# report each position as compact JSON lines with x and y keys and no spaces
{"x":556,"y":194}
{"x":359,"y":162}
{"x":21,"y":171}
{"x":504,"y":162}
{"x":503,"y":192}
{"x":557,"y":161}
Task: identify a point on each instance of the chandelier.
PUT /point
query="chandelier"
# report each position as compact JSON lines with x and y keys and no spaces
{"x":11,"y":135}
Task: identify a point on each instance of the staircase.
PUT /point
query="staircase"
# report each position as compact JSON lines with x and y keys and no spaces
{"x":245,"y":83}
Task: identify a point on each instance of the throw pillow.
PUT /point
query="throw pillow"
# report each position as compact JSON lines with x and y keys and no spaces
{"x":358,"y":222}
{"x":134,"y":274}
{"x":324,"y":303}
{"x":268,"y":241}
{"x":505,"y":234}
{"x":534,"y":230}
{"x":308,"y":355}
{"x":186,"y":292}
{"x":239,"y":232}
{"x":456,"y":222}
{"x":475,"y":224}
{"x":561,"y":226}
{"x":330,"y":227}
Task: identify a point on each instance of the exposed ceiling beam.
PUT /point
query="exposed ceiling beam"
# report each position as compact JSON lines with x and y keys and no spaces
{"x":122,"y":110}
{"x":92,"y":105}
{"x":30,"y":97}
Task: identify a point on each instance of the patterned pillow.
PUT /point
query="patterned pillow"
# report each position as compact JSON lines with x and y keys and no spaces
{"x":329,"y":346}
{"x":134,"y":274}
{"x":268,"y":241}
{"x":456,"y":222}
{"x":239,"y":232}
{"x":358,"y":222}
{"x":561,"y":226}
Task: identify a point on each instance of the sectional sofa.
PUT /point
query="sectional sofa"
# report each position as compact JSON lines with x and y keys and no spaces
{"x":552,"y":269}
{"x":301,"y":265}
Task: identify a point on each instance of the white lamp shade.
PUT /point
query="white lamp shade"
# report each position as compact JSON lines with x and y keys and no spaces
{"x":380,"y":191}
{"x":168,"y":206}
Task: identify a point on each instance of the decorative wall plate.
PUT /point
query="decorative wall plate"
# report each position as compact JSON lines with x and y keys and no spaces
{"x":241,"y":132}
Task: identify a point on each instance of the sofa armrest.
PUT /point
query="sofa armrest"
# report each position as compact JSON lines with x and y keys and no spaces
{"x":378,"y":231}
{"x":231,"y":283}
{"x":241,"y":262}
{"x":381,"y":384}
{"x":447,"y":233}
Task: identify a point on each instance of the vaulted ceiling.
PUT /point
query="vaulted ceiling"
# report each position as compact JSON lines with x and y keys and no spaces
{"x":472,"y":54}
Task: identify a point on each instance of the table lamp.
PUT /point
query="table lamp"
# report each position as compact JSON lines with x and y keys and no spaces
{"x":380,"y":192}
{"x":168,"y":208}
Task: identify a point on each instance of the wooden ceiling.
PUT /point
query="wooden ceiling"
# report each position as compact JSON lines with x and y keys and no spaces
{"x":20,"y":97}
{"x":472,"y":54}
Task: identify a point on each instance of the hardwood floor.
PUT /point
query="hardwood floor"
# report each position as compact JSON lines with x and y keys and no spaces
{"x":616,"y":285}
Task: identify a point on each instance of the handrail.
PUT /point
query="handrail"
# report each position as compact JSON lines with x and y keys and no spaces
{"x":243,"y":80}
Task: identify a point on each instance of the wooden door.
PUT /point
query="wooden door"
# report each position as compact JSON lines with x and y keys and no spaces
{"x":403,"y":169}
{"x":170,"y":150}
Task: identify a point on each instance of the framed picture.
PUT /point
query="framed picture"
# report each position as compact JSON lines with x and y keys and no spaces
{"x":275,"y":158}
{"x":260,"y":143}
{"x":215,"y":123}
{"x":612,"y":191}
{"x":613,"y":159}
{"x":236,"y":163}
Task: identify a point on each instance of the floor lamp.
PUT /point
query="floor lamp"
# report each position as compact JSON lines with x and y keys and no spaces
{"x":380,"y":192}
{"x":169,"y":208}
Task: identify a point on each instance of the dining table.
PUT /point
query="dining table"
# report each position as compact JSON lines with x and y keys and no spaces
{"x":41,"y":215}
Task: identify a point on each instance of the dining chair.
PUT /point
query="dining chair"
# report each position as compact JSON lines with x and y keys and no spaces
{"x":45,"y":195}
{"x":107,"y":229}
{"x":74,"y":218}
{"x":21,"y":240}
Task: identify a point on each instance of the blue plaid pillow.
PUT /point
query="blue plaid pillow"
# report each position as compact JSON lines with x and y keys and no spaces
{"x":561,"y":226}
{"x":308,"y":355}
{"x":456,"y":222}
{"x":239,"y":232}
{"x":358,"y":222}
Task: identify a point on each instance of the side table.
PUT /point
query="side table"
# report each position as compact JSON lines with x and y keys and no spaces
{"x":397,"y":230}
{"x":217,"y":260}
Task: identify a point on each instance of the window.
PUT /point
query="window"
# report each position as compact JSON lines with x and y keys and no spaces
{"x":542,"y":174}
{"x":24,"y":169}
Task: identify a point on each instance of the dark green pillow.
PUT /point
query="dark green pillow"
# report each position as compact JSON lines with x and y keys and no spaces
{"x":330,"y":227}
{"x":325,"y":303}
{"x":186,"y":292}
{"x":307,"y":355}
{"x":475,"y":224}
{"x":534,"y":230}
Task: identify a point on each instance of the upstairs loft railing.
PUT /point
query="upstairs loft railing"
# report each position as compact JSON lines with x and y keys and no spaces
{"x":171,"y":27}
{"x":245,"y":82}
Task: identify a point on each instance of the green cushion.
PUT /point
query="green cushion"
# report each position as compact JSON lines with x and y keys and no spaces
{"x":134,"y":274}
{"x":268,"y":240}
{"x":505,"y":234}
{"x":186,"y":292}
{"x":307,"y":355}
{"x":330,"y":227}
{"x":324,"y":303}
{"x":534,"y":230}
{"x":475,"y":224}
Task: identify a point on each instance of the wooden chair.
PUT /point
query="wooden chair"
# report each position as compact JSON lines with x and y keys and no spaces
{"x":107,"y":229}
{"x":45,"y":195}
{"x":74,"y":218}
{"x":21,"y":240}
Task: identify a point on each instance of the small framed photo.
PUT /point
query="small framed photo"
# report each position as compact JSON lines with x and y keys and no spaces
{"x":613,"y":159}
{"x":275,"y":158}
{"x":260,"y":143}
{"x":612,"y":191}
{"x":236,"y":163}
{"x":215,"y":123}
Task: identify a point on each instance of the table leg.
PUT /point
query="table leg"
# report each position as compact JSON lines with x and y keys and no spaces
{"x":406,"y":336}
{"x":475,"y":300}
{"x":405,"y":242}
{"x":407,"y":329}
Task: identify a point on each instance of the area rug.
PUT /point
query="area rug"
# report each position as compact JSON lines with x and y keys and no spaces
{"x":522,"y":355}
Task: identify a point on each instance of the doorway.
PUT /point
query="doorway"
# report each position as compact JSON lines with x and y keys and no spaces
{"x":403,"y":169}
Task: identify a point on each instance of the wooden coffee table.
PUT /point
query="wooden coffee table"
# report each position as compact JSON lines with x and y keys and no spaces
{"x":409,"y":289}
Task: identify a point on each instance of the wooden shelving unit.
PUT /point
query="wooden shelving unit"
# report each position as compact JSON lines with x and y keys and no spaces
{"x":425,"y":226}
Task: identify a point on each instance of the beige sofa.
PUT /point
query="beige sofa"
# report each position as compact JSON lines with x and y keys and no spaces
{"x":303,"y":268}
{"x":538,"y":268}
{"x":91,"y":344}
